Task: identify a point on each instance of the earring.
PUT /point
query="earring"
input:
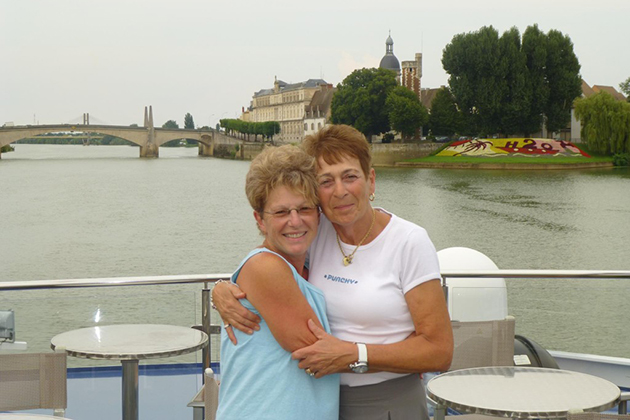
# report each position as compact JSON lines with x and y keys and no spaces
{"x":372,"y":197}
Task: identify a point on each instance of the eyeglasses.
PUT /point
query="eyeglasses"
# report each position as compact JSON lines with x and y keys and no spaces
{"x":302,"y":212}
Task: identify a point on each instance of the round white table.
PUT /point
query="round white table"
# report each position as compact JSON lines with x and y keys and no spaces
{"x":130,"y":343}
{"x":521,"y":392}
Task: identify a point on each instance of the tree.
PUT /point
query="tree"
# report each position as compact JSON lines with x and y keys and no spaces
{"x":170,"y":124}
{"x":445,"y":119}
{"x":266,"y":129}
{"x":563,"y":79}
{"x":270,"y":129}
{"x":515,"y":97}
{"x":190,"y":125}
{"x":406,"y":113}
{"x":625,"y":88}
{"x":476,"y":81}
{"x":605,"y":123}
{"x":360,"y":100}
{"x":534,"y":47}
{"x":506,"y":84}
{"x":188,"y":121}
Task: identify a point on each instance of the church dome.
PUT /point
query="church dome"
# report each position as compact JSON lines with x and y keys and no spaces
{"x":389,"y":60}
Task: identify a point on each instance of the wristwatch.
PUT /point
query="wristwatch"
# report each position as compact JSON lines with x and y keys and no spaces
{"x":361,"y":365}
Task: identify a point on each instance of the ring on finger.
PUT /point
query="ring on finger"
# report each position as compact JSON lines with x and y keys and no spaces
{"x":309,"y":372}
{"x":226,"y":326}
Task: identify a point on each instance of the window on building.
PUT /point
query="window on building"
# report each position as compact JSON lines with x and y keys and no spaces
{"x":305,"y":126}
{"x":312,"y":126}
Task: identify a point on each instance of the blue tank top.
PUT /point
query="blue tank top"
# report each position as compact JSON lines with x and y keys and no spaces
{"x":259,"y":380}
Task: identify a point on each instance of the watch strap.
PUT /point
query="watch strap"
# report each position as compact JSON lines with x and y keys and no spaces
{"x":363,"y":356}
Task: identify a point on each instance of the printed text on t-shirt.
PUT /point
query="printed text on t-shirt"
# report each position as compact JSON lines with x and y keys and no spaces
{"x":339,"y":279}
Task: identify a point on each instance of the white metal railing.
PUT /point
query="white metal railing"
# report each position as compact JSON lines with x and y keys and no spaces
{"x":206,"y":279}
{"x":211,"y":278}
{"x":111,"y":281}
{"x":540,"y":274}
{"x":134,"y":281}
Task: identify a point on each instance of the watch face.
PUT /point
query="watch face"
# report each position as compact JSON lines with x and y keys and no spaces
{"x":359,"y":367}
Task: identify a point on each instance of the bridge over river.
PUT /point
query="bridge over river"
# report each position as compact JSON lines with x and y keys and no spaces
{"x":148,"y":137}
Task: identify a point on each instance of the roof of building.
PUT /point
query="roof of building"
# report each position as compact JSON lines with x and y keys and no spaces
{"x":284,"y":87}
{"x":611,"y":90}
{"x":321,"y":102}
{"x":586,"y":89}
{"x":427,"y":96}
{"x":390,"y":62}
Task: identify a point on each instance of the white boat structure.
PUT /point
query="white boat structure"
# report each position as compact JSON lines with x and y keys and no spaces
{"x":475,"y":290}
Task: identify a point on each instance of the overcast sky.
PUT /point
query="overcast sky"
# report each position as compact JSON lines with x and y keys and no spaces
{"x":61,"y":58}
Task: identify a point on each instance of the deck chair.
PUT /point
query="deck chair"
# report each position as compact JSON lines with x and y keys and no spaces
{"x":211,"y":395}
{"x":483,"y":343}
{"x":32,"y":381}
{"x":480,"y":344}
{"x":207,"y":399}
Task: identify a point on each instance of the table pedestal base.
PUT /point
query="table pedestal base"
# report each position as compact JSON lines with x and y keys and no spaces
{"x":439,"y":413}
{"x":130,"y":389}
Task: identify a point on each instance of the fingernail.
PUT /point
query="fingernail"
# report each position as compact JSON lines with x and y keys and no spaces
{"x":257,"y":327}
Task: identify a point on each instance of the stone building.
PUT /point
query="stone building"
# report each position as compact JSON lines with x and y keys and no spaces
{"x":288,"y":105}
{"x":317,"y":113}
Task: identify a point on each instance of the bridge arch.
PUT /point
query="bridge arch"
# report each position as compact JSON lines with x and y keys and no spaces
{"x":149,"y":139}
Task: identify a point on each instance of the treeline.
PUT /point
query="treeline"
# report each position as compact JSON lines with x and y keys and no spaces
{"x":372,"y":101}
{"x":57,"y":140}
{"x":96,"y":140}
{"x":246,"y":129}
{"x":499,"y":85}
{"x":510,"y":84}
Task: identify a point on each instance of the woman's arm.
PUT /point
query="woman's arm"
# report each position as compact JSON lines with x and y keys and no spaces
{"x":271,"y":288}
{"x":429,"y":350}
{"x":225,"y":297}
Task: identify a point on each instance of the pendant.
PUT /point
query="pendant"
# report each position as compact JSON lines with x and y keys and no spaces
{"x":347,"y":261}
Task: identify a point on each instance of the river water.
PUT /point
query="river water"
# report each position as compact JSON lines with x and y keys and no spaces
{"x":76,"y":212}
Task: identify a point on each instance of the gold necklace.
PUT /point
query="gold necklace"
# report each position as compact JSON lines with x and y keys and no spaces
{"x":347,"y":259}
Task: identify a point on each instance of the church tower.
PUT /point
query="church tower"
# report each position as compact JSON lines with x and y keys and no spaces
{"x":389,"y":61}
{"x":411,"y":75}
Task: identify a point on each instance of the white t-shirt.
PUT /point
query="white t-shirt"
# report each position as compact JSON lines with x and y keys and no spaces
{"x":365,"y":300}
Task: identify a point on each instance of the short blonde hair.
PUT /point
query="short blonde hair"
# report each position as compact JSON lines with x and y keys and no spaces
{"x":336,"y":142}
{"x":287,"y":166}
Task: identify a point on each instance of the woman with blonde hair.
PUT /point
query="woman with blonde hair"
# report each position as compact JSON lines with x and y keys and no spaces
{"x":259,"y":379}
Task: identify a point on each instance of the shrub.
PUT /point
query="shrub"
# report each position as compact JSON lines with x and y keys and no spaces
{"x":621,"y":159}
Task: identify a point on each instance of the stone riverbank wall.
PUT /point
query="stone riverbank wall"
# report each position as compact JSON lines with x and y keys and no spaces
{"x":387,"y":154}
{"x":383,"y":154}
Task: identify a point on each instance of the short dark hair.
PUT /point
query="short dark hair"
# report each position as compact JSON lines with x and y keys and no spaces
{"x":336,"y":142}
